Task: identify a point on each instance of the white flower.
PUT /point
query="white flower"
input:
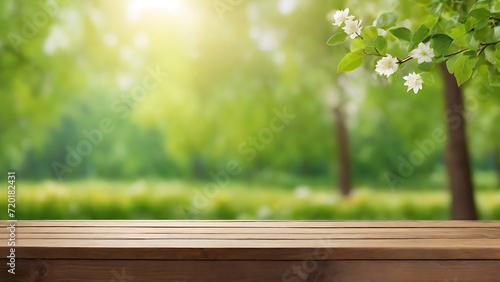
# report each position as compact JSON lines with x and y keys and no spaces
{"x":341,"y":16}
{"x":413,"y":81}
{"x":423,"y":53}
{"x":352,"y":28}
{"x":302,"y":192}
{"x":387,"y":65}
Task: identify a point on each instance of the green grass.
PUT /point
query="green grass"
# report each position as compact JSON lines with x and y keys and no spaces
{"x":181,"y":200}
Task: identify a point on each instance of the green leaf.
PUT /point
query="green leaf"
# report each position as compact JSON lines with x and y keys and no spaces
{"x":450,"y":64}
{"x":357,"y":44}
{"x":493,"y":76}
{"x":464,"y":67}
{"x":458,"y":31}
{"x":431,"y":20}
{"x":401,"y":33}
{"x":426,"y":66}
{"x":438,"y":60}
{"x":481,"y":4}
{"x":497,"y":56}
{"x":489,"y":54}
{"x":386,"y":20}
{"x":474,"y":43}
{"x":477,"y":19}
{"x":481,"y":34}
{"x":369,"y":35}
{"x":463,"y":41}
{"x":337,"y":39}
{"x":381,"y":45}
{"x":420,"y":34}
{"x":496,"y":7}
{"x":440,"y":43}
{"x":496,"y":31}
{"x":351,"y":62}
{"x":470,"y":23}
{"x":427,"y":77}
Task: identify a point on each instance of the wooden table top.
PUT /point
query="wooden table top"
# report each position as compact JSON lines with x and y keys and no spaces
{"x":254,"y":240}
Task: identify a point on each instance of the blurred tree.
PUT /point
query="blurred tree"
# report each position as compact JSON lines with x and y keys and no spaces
{"x":343,"y":150}
{"x":457,"y":155}
{"x":458,"y":33}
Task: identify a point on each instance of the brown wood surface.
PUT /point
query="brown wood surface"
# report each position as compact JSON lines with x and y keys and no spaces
{"x":400,"y":233}
{"x":303,"y":270}
{"x":256,"y":240}
{"x":196,"y":250}
{"x":177,"y":250}
{"x":290,"y":234}
{"x":265,"y":223}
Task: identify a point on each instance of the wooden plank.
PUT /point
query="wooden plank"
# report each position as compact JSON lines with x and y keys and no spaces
{"x":344,"y":233}
{"x":240,"y":240}
{"x":282,"y":243}
{"x":264,"y":223}
{"x":197,"y":249}
{"x":288,"y":271}
{"x":491,"y":232}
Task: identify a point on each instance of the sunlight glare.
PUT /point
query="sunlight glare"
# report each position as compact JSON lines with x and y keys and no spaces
{"x":177,"y":8}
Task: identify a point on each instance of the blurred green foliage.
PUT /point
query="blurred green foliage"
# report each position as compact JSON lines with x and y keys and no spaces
{"x":227,"y":73}
{"x":179,"y":200}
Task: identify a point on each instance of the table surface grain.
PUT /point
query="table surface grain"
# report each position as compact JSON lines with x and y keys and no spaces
{"x":209,"y":250}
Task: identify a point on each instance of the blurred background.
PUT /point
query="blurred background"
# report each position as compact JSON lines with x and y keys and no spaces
{"x":221,"y":109}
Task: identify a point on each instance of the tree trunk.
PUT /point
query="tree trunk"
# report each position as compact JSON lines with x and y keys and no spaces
{"x":457,"y":155}
{"x":343,"y":151}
